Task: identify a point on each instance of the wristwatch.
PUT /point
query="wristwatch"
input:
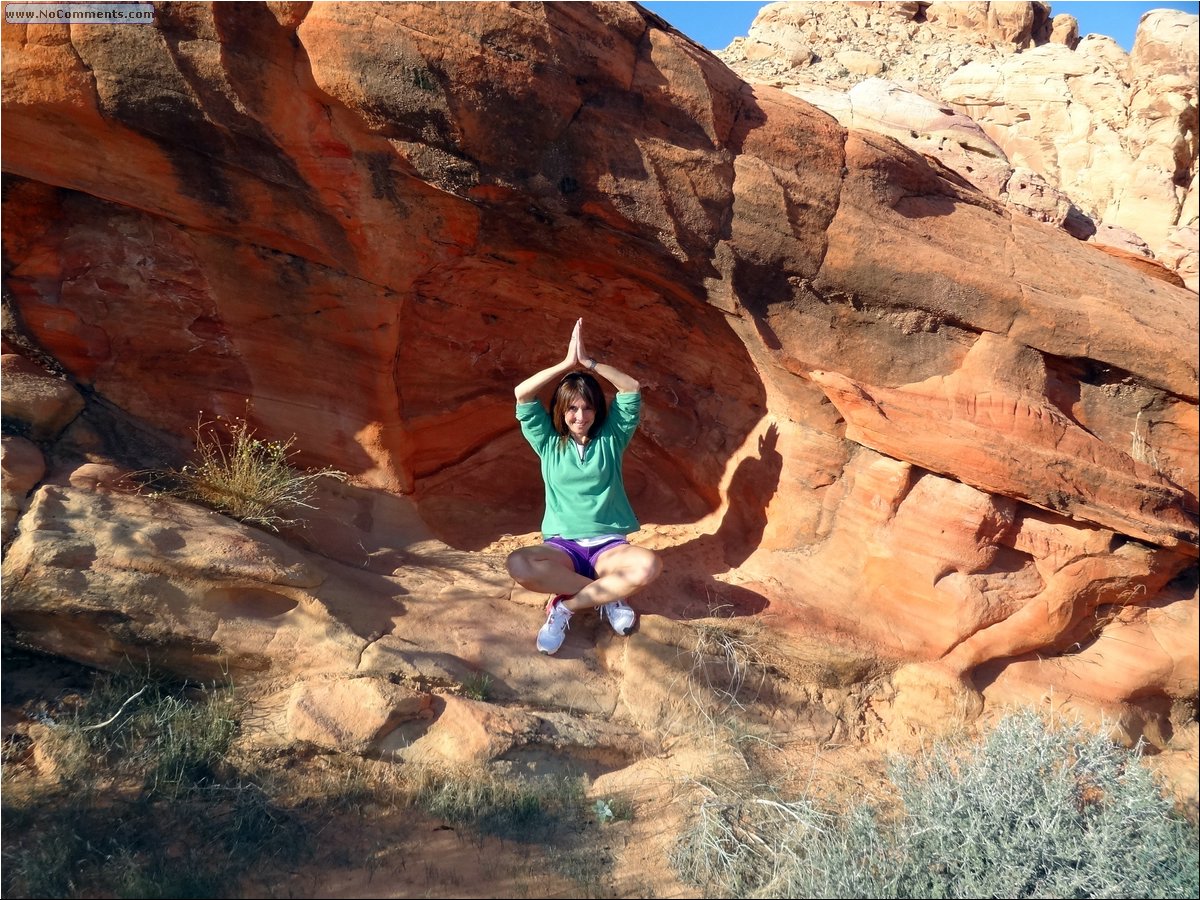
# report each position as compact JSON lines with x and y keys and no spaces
{"x":591,"y":363}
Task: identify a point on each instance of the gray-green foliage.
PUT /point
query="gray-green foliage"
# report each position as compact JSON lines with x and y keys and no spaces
{"x":1031,"y":811}
{"x":1040,"y":812}
{"x":477,"y":686}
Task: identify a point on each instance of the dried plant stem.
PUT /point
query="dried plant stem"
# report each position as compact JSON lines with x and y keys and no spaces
{"x":243,"y":476}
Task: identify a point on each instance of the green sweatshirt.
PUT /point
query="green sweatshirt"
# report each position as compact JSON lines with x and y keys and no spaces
{"x":584,"y":498}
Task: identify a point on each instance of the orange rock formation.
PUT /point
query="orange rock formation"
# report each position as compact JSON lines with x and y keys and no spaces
{"x":880,"y":408}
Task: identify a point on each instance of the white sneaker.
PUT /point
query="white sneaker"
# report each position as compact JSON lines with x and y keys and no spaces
{"x":558,"y":619}
{"x":619,"y":615}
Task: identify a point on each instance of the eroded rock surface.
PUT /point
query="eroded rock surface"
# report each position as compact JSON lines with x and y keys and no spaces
{"x":994,"y":90}
{"x":887,"y":418}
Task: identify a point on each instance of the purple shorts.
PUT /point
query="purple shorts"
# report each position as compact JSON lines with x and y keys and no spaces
{"x":584,"y":558}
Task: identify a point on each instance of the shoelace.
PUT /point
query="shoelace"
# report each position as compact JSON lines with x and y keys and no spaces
{"x":560,"y":617}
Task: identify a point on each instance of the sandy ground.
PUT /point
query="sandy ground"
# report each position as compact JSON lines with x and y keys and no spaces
{"x":386,"y":851}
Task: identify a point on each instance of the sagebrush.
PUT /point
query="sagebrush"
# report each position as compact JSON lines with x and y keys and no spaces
{"x":1033,"y":810}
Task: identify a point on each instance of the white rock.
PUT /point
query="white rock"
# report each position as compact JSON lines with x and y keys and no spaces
{"x":1110,"y":133}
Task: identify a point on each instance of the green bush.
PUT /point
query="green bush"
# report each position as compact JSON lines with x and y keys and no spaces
{"x":1040,"y":812}
{"x":1030,"y":811}
{"x":477,"y":686}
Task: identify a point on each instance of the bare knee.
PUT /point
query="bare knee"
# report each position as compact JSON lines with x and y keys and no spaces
{"x":655,"y":567}
{"x":529,"y":566}
{"x":519,"y":565}
{"x":647,"y":568}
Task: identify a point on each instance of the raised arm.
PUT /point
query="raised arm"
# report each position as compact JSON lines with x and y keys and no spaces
{"x":625,"y":384}
{"x":528,"y":389}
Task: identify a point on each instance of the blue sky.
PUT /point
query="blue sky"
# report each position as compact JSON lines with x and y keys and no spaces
{"x":714,"y":23}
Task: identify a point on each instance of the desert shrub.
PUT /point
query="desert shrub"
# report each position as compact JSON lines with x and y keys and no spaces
{"x":143,"y":800}
{"x":727,"y":664}
{"x":175,"y":736}
{"x":170,"y":735}
{"x":1035,"y":811}
{"x":1030,"y":811}
{"x":243,"y":476}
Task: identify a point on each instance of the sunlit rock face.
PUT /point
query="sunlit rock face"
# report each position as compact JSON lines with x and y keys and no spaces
{"x":880,"y":404}
{"x":1068,"y":129}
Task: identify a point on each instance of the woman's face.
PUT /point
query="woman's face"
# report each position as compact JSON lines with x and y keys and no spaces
{"x":579,"y":417}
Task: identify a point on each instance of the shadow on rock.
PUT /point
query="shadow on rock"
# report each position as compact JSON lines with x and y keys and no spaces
{"x":689,"y":588}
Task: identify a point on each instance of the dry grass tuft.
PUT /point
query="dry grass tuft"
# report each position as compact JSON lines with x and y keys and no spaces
{"x":243,"y":476}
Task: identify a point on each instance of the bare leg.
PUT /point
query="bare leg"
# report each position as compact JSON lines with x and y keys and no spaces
{"x":545,"y":569}
{"x":622,"y":571}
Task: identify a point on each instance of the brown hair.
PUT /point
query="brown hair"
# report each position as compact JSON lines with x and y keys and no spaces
{"x":577,"y":385}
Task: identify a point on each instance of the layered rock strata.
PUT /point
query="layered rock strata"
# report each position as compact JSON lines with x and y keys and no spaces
{"x":882,"y":410}
{"x":1011,"y":98}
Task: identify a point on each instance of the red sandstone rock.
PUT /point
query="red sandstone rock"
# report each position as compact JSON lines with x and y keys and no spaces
{"x":1032,"y":451}
{"x":1104,"y":133}
{"x":23,"y":466}
{"x":349,"y":715}
{"x":40,"y":402}
{"x":365,"y":236}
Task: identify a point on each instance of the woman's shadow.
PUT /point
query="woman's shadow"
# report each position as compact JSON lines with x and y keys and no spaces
{"x":688,"y":588}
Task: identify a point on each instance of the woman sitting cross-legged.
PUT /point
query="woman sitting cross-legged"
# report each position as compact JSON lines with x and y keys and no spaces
{"x":585,"y":560}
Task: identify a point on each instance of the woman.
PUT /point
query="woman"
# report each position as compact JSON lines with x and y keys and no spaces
{"x":585,"y":560}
